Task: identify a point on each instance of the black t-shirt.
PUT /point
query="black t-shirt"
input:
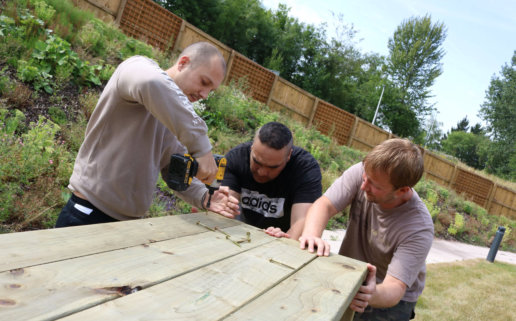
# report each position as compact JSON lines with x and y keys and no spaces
{"x":269,"y":204}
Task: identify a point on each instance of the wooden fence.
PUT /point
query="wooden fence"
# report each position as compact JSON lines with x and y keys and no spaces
{"x":147,"y":21}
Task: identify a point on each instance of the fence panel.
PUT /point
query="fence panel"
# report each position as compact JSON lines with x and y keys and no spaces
{"x":331,"y":120}
{"x":367,"y":136}
{"x":259,"y":79}
{"x":105,"y":10}
{"x":504,"y":202}
{"x":149,"y":22}
{"x":475,"y":187}
{"x":191,"y":34}
{"x":438,"y":169}
{"x":295,"y":101}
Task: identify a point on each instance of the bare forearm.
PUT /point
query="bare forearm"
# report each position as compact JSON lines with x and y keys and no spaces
{"x":387,"y":294}
{"x":317,"y":217}
{"x":296,"y":229}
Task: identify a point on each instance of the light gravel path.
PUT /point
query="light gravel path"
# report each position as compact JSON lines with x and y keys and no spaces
{"x":441,"y":251}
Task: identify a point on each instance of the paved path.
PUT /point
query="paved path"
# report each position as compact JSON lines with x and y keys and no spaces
{"x":441,"y":251}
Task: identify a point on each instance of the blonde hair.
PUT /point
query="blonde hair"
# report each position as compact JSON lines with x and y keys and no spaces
{"x":400,"y":159}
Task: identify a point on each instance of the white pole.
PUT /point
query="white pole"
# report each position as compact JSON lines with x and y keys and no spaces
{"x":379,"y":100}
{"x":433,"y":120}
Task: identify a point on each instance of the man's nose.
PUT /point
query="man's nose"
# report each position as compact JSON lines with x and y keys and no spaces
{"x":204,"y":93}
{"x":262,"y":171}
{"x":364,"y":185}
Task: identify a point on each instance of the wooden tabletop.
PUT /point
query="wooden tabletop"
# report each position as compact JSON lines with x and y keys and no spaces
{"x":198,"y":266}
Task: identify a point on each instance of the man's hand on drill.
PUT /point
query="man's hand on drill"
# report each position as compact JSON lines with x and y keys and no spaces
{"x":223,"y":203}
{"x":207,"y":169}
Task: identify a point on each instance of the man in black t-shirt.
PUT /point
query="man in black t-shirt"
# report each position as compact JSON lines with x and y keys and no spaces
{"x":274,"y":181}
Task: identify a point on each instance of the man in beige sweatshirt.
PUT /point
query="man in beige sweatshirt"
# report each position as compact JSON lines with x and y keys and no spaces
{"x":143,"y":116}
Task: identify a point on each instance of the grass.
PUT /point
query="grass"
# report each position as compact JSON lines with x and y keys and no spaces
{"x":470,"y":290}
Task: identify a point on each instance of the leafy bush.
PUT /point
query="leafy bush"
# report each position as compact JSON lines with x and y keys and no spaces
{"x":57,"y":115}
{"x":68,"y":19}
{"x":458,"y":225}
{"x":43,"y":10}
{"x":91,"y":39}
{"x":443,"y":193}
{"x":27,"y":160}
{"x":229,"y":109}
{"x":432,"y":208}
{"x":51,"y":58}
{"x":4,"y":82}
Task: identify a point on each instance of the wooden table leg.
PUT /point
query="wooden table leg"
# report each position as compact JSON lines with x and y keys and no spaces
{"x":348,"y":315}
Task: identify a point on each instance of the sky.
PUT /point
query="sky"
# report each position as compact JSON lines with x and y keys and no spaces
{"x":481,"y":39}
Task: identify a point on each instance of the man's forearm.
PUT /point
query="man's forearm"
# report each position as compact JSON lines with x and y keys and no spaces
{"x":387,"y":294}
{"x":317,"y":217}
{"x":296,"y":229}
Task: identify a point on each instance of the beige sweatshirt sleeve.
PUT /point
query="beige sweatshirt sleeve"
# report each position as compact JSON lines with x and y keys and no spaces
{"x":154,"y":89}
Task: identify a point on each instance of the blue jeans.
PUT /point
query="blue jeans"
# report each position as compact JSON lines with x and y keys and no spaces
{"x":79,"y":211}
{"x":400,"y":312}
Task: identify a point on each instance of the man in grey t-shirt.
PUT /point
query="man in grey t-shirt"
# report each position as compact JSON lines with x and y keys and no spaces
{"x":389,"y":227}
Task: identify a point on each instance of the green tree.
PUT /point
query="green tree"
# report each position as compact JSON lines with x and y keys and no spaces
{"x":462,"y":125}
{"x":200,"y":13}
{"x":499,"y":112}
{"x":465,"y":146}
{"x":413,"y":64}
{"x":477,"y":129}
{"x":433,"y":133}
{"x":300,"y":46}
{"x":332,"y":70}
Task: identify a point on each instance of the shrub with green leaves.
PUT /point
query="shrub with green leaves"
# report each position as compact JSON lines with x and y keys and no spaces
{"x":432,"y":208}
{"x":54,"y":58}
{"x":30,"y":26}
{"x":43,"y":11}
{"x":228,"y":108}
{"x":458,"y":225}
{"x":443,"y":193}
{"x":432,"y":197}
{"x":57,"y":115}
{"x":27,"y":158}
{"x":90,"y":36}
{"x":5,"y":82}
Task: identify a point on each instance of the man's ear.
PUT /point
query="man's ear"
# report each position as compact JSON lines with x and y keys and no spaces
{"x":183,"y":62}
{"x":404,"y":189}
{"x":289,"y":154}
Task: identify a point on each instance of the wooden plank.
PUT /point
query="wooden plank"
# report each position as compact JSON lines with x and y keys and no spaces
{"x":208,"y":293}
{"x":312,"y":112}
{"x":37,"y":247}
{"x":323,"y":294}
{"x":288,"y":107}
{"x":58,"y":289}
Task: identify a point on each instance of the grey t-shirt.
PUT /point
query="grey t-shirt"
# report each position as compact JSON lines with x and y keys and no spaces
{"x":396,"y":240}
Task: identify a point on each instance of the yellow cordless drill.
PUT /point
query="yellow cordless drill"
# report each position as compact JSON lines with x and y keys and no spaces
{"x":183,"y":168}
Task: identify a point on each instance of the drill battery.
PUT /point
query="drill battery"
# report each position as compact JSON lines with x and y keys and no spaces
{"x":183,"y":168}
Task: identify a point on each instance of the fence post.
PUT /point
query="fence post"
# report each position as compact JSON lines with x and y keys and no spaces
{"x":353,"y":130}
{"x":229,"y":66}
{"x":269,"y":98}
{"x":452,"y":179}
{"x":312,"y":113}
{"x":120,"y":12}
{"x":179,"y":36}
{"x":489,"y":201}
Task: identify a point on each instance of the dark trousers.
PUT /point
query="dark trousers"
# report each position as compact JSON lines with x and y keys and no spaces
{"x":403,"y":311}
{"x":79,"y":211}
